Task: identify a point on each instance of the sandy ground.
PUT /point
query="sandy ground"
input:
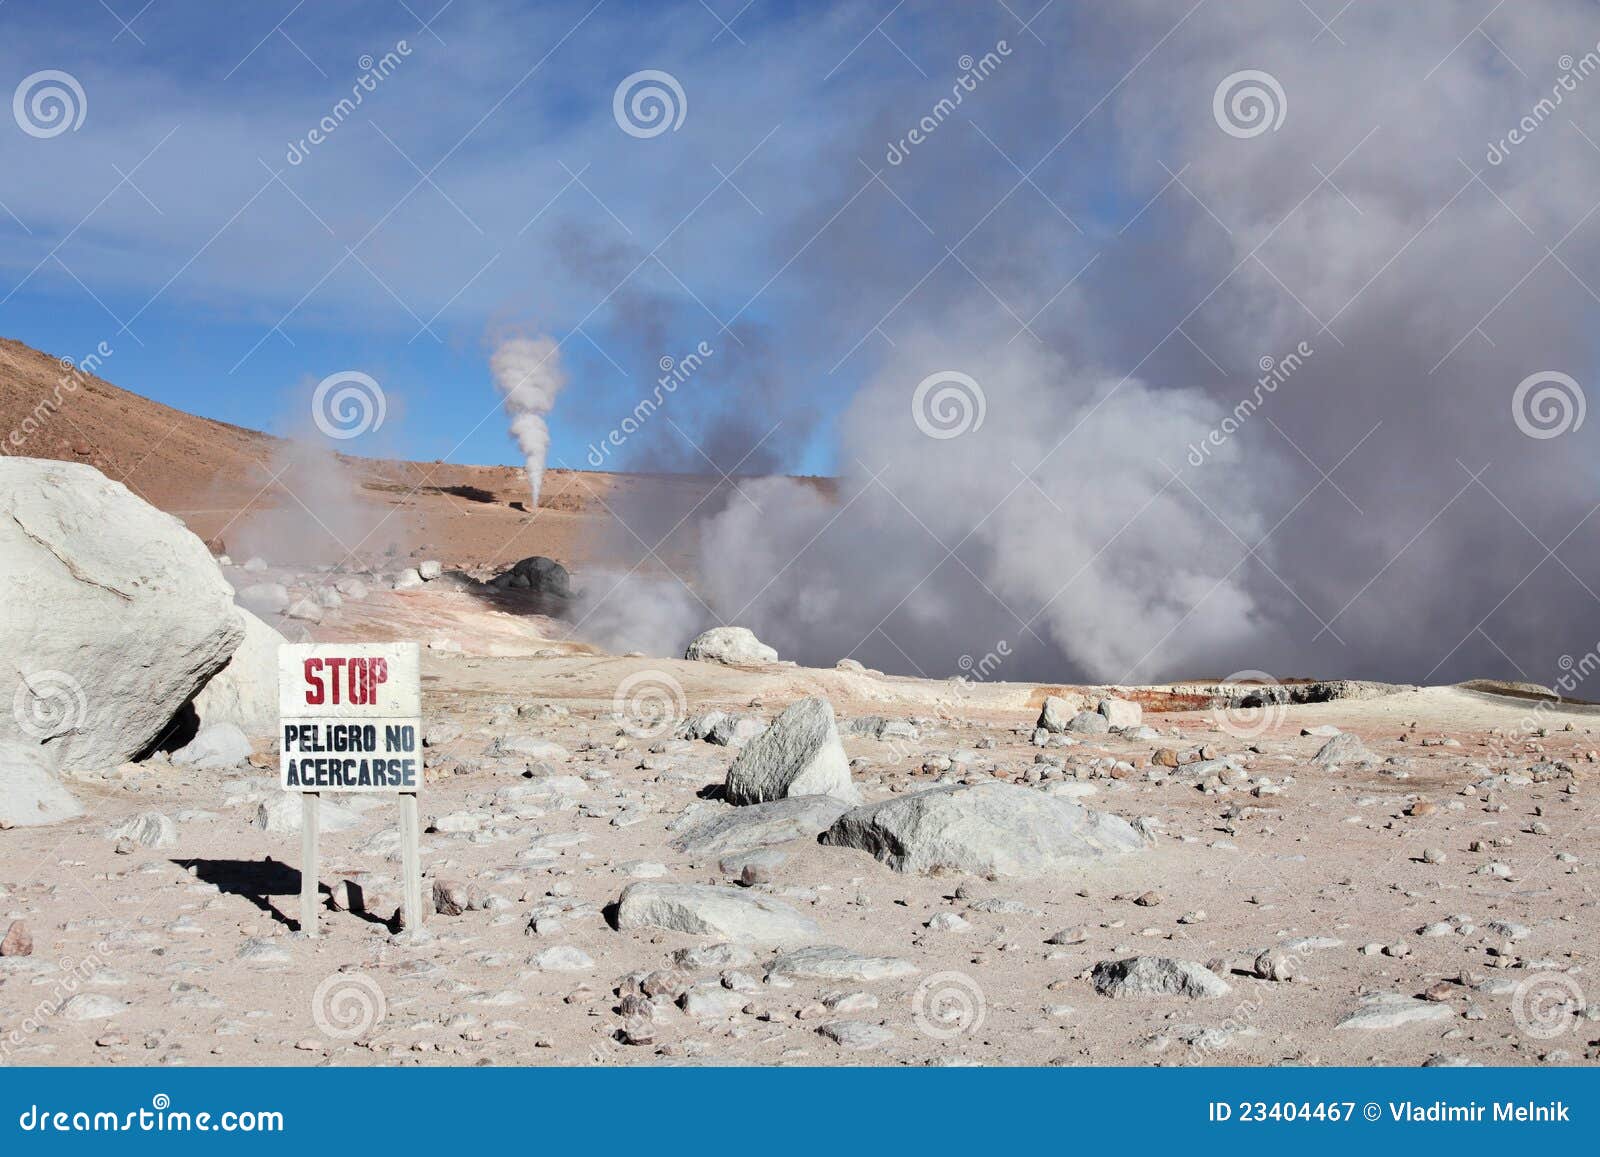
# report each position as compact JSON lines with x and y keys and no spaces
{"x":197,"y":948}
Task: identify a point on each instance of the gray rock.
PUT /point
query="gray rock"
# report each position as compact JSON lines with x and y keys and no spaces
{"x":1121,"y":712}
{"x":306,"y":610}
{"x":708,"y":1002}
{"x":281,"y":813}
{"x":1058,"y":711}
{"x":830,"y":962}
{"x":93,"y":1006}
{"x":215,"y":747}
{"x":735,"y":730}
{"x":1156,"y":976}
{"x":1392,"y":1010}
{"x":562,"y":958}
{"x":740,"y":829}
{"x":730,"y":645}
{"x":267,"y":598}
{"x":707,"y":910}
{"x":429,"y":570}
{"x":1088,"y":723}
{"x":988,"y":829}
{"x":537,"y":574}
{"x":258,"y":950}
{"x":856,"y":1034}
{"x":714,"y":956}
{"x":878,"y":727}
{"x":148,"y":829}
{"x":1343,"y":748}
{"x":800,"y":754}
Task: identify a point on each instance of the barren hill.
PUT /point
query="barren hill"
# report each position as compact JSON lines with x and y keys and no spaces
{"x":228,"y":482}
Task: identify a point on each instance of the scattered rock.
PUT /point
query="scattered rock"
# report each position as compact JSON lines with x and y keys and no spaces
{"x":1392,"y":1010}
{"x":148,"y":829}
{"x":562,"y":958}
{"x":709,"y":910}
{"x":538,"y":574}
{"x":1343,"y":749}
{"x":18,"y":940}
{"x":987,"y":829}
{"x":830,"y":962}
{"x":1058,"y":711}
{"x":1120,"y":713}
{"x":856,"y":1034}
{"x":1156,"y":976}
{"x":800,"y":754}
{"x":739,"y":829}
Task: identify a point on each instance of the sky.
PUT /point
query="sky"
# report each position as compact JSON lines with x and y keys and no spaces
{"x":1163,"y":338}
{"x":482,"y":186}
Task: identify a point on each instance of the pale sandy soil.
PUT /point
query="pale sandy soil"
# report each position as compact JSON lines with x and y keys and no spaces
{"x":1332,"y":856}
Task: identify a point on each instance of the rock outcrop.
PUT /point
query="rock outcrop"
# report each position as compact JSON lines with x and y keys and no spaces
{"x":989,"y":829}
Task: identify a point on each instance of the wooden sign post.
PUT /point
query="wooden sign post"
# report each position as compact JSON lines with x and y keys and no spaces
{"x":350,"y":720}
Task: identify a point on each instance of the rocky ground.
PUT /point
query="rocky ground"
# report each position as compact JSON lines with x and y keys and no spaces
{"x":1412,"y":881}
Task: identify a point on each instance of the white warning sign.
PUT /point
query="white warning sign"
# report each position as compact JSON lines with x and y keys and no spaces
{"x":349,"y":717}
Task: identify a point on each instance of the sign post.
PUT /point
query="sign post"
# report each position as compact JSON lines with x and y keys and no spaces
{"x":350,"y":720}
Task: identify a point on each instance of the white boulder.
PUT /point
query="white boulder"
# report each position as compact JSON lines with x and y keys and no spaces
{"x":245,"y":692}
{"x":732,"y":645}
{"x":115,"y":614}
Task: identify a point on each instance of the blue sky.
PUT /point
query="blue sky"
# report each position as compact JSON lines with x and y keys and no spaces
{"x":482,"y":187}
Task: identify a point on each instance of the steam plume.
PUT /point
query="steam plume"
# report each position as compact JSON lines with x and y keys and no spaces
{"x":527,"y":372}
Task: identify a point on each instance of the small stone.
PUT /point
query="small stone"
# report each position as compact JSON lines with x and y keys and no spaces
{"x":18,"y":940}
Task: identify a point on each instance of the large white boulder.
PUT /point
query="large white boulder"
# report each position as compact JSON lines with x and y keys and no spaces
{"x":989,"y":829}
{"x":733,"y":645}
{"x":800,"y":754}
{"x":114,"y":614}
{"x":245,"y":692}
